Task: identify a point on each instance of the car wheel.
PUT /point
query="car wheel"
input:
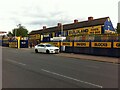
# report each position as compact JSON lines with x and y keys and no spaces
{"x":47,"y":51}
{"x":36,"y":51}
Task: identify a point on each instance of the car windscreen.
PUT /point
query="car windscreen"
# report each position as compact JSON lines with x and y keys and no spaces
{"x":49,"y":45}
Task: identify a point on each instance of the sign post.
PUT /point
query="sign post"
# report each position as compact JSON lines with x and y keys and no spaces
{"x":18,"y":40}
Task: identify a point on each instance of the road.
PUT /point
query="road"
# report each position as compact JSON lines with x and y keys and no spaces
{"x":26,"y":69}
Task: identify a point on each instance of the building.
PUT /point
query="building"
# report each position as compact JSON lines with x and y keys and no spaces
{"x":88,"y":27}
{"x":2,"y":33}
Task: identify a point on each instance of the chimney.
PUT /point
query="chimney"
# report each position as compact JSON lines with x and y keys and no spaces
{"x":44,"y":27}
{"x":75,"y":21}
{"x":59,"y":24}
{"x":90,"y":18}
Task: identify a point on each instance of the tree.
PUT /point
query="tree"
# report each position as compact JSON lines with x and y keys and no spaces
{"x":9,"y":34}
{"x":118,"y":28}
{"x":20,"y":31}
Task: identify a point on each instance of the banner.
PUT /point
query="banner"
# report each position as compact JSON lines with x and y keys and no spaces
{"x":81,"y":44}
{"x":13,"y":44}
{"x":56,"y":44}
{"x":36,"y":36}
{"x":101,"y":44}
{"x":87,"y":30}
{"x":66,"y":43}
{"x":95,"y":30}
{"x":116,"y":45}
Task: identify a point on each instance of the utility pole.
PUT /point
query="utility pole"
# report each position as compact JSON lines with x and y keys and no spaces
{"x":16,"y":30}
{"x":15,"y":33}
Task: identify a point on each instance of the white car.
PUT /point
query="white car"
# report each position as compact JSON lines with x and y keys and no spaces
{"x":46,"y":48}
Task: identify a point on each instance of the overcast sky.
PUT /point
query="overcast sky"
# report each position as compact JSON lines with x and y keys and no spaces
{"x":34,"y":14}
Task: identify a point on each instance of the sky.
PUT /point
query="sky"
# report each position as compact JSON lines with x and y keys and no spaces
{"x":34,"y":14}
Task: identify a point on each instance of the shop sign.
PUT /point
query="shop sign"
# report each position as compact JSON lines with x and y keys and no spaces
{"x":81,"y":44}
{"x":66,"y":43}
{"x":116,"y":45}
{"x":95,"y":30}
{"x":56,"y":43}
{"x":101,"y":44}
{"x":87,"y":30}
{"x":37,"y":36}
{"x":13,"y":44}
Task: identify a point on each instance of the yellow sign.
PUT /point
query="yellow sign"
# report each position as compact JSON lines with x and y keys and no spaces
{"x":95,"y":30}
{"x":87,"y":30}
{"x":13,"y":44}
{"x":116,"y":45}
{"x":101,"y":44}
{"x":66,"y":43}
{"x":36,"y":36}
{"x":81,"y":44}
{"x":56,"y":43}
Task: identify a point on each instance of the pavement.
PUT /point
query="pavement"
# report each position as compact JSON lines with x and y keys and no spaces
{"x":91,"y":57}
{"x":87,"y":57}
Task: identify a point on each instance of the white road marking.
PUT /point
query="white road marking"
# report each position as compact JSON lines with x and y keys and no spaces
{"x":72,"y":78}
{"x":16,"y":62}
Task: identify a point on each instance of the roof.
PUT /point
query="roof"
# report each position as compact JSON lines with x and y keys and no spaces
{"x":95,"y":22}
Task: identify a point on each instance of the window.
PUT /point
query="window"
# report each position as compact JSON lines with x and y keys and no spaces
{"x":49,"y":45}
{"x":41,"y":45}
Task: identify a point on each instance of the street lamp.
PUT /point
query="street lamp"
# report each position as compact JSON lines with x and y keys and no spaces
{"x":16,"y":30}
{"x":15,"y":33}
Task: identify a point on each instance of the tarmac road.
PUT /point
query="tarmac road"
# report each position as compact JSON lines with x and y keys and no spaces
{"x":26,"y":69}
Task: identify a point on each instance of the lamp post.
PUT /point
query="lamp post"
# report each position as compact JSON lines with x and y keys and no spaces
{"x":15,"y":33}
{"x":16,"y":30}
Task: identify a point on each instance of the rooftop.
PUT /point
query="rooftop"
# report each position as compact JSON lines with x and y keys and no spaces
{"x":87,"y":23}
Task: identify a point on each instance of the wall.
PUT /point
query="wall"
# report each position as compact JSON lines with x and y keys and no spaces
{"x":103,"y":48}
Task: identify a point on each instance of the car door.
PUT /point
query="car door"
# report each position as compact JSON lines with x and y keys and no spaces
{"x":40,"y":48}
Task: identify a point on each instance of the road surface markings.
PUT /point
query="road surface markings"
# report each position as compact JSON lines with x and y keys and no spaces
{"x":72,"y":78}
{"x":15,"y":62}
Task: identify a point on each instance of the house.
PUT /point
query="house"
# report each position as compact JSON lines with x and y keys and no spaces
{"x":88,"y":27}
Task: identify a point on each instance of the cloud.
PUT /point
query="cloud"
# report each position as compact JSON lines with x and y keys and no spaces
{"x":119,"y":11}
{"x":49,"y":19}
{"x":35,"y":13}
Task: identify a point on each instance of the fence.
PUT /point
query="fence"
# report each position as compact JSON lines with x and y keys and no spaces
{"x":103,"y":48}
{"x":103,"y":37}
{"x":15,"y":43}
{"x":105,"y":45}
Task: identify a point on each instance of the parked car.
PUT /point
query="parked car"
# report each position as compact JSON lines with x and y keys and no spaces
{"x":46,"y":48}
